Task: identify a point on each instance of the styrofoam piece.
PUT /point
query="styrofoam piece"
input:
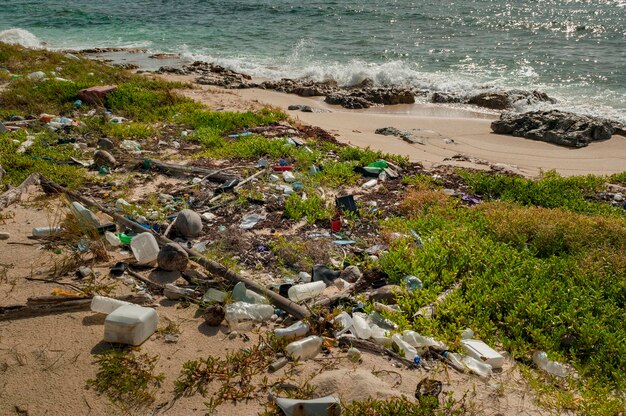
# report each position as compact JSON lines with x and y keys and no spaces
{"x":481,"y":351}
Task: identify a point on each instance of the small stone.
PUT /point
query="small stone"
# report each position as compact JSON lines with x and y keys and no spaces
{"x":214,"y":315}
{"x":84,"y":271}
{"x":172,"y":257}
{"x":37,"y":76}
{"x":618,"y":197}
{"x":386,"y":293}
{"x":171,"y":338}
{"x":233,"y":335}
{"x":106,"y":144}
{"x":351,"y":274}
{"x":103,"y":158}
{"x":188,"y":224}
{"x":4,"y":235}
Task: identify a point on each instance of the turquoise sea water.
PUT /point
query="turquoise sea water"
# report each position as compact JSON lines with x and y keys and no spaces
{"x":574,"y":50}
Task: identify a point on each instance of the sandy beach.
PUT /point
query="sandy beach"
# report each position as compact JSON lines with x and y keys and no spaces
{"x":446,"y":132}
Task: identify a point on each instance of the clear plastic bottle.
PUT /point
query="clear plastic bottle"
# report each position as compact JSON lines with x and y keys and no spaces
{"x":85,"y":217}
{"x":305,"y":348}
{"x":297,"y":330}
{"x":45,"y":231}
{"x":145,"y":248}
{"x":476,"y":366}
{"x":345,"y":321}
{"x":102,"y":304}
{"x":305,"y":291}
{"x":361,"y":328}
{"x":243,"y":294}
{"x":380,"y":336}
{"x":173,"y":292}
{"x":540,"y":358}
{"x":455,"y":360}
{"x":242,"y":311}
{"x":405,"y":347}
{"x":420,"y":342}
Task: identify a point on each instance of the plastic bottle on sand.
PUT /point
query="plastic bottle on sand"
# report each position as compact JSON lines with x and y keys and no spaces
{"x":305,"y":348}
{"x":305,"y":291}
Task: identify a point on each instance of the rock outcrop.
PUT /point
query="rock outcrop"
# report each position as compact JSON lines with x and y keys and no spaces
{"x":558,"y":127}
{"x":495,"y":100}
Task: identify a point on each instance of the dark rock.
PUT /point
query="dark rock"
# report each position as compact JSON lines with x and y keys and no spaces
{"x":188,"y":223}
{"x":2,"y":128}
{"x":323,"y":273}
{"x":445,"y":98}
{"x":96,"y":95}
{"x":106,"y":144}
{"x":347,"y":101}
{"x":172,"y":257}
{"x":386,"y":293}
{"x":351,"y":274}
{"x":214,"y":315}
{"x":493,"y":100}
{"x":558,"y":127}
{"x":103,"y":158}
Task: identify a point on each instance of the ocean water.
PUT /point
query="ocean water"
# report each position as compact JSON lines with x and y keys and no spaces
{"x":575,"y":50}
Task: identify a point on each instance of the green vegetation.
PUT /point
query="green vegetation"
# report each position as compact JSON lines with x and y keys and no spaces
{"x":403,"y":406}
{"x":127,"y":378}
{"x":313,"y":208}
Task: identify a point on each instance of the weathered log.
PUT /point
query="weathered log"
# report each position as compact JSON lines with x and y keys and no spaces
{"x":15,"y":193}
{"x":211,"y":266}
{"x":52,"y":305}
{"x":208,"y":174}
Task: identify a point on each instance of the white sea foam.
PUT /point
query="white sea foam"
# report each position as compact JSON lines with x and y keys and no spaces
{"x":21,"y":37}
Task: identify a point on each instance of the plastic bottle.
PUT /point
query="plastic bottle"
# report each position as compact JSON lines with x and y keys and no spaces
{"x":305,"y":348}
{"x":540,"y":358}
{"x":242,"y":294}
{"x":345,"y":321}
{"x":85,"y":217}
{"x":380,"y":336}
{"x":370,"y":184}
{"x":476,"y":366}
{"x":242,"y":311}
{"x":297,"y":330}
{"x":305,"y":291}
{"x":412,"y":283}
{"x":214,"y":295}
{"x":45,"y":231}
{"x":102,"y":304}
{"x":112,"y":239}
{"x":173,"y":292}
{"x":405,"y":347}
{"x":145,"y":248}
{"x":420,"y":342}
{"x":361,"y":328}
{"x":455,"y":360}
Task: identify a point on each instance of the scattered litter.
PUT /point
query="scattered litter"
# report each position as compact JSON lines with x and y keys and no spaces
{"x":250,"y":220}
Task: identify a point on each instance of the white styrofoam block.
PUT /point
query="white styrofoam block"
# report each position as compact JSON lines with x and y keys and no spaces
{"x":130,"y":324}
{"x":481,"y":351}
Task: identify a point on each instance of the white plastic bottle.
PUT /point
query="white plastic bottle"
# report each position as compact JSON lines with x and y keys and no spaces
{"x":420,"y":342}
{"x":455,"y":360}
{"x":145,"y":248}
{"x":84,"y":215}
{"x":305,"y":348}
{"x":297,"y":330}
{"x":476,"y":366}
{"x":305,"y":291}
{"x":361,"y":328}
{"x":243,"y":294}
{"x":405,"y":347}
{"x":242,"y":311}
{"x":380,"y":336}
{"x":102,"y":304}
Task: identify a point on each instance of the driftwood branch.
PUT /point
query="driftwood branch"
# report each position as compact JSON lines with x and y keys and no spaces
{"x":15,"y":193}
{"x":369,"y":346}
{"x":52,"y":305}
{"x":207,"y":174}
{"x":211,"y":266}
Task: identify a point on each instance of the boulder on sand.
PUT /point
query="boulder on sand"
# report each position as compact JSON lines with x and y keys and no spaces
{"x":188,"y":223}
{"x":172,"y":258}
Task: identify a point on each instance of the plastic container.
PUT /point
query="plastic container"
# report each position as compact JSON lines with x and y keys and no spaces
{"x":85,"y":217}
{"x":102,"y":304}
{"x":380,"y":336}
{"x":305,"y":348}
{"x":45,"y":231}
{"x":145,"y":248}
{"x":242,"y":294}
{"x":297,"y":330}
{"x":305,"y":291}
{"x":130,"y":324}
{"x":112,"y":239}
{"x":288,"y":177}
{"x":346,"y":322}
{"x":304,"y":277}
{"x":361,"y":328}
{"x":405,"y":347}
{"x":370,"y":184}
{"x":242,"y":311}
{"x":540,"y":358}
{"x":476,"y":366}
{"x":420,"y":342}
{"x":455,"y":360}
{"x":483,"y":352}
